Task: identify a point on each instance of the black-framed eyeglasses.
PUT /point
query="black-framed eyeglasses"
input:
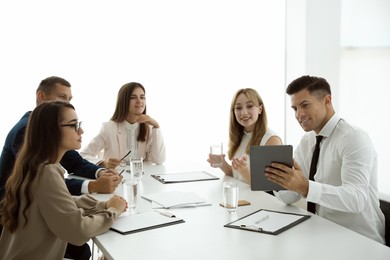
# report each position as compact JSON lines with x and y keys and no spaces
{"x":76,"y":126}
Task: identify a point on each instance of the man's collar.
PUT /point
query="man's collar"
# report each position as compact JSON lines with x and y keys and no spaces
{"x":329,"y":126}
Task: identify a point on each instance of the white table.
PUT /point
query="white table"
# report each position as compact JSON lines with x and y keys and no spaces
{"x":203,"y":235}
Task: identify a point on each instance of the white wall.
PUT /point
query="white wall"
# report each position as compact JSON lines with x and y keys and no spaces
{"x":365,"y":70}
{"x":190,"y":56}
{"x":365,"y":23}
{"x":312,"y":48}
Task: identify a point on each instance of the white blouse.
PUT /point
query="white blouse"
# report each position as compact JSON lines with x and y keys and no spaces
{"x":132,"y":131}
{"x":241,"y":151}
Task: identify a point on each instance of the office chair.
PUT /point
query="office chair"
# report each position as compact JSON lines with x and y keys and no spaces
{"x":385,"y":207}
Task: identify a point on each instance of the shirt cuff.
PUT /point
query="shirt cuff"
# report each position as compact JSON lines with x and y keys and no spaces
{"x":84,"y":187}
{"x":314,"y":193}
{"x":288,"y":197}
{"x":98,"y":170}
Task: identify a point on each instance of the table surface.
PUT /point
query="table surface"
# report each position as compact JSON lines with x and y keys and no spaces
{"x":203,"y":235}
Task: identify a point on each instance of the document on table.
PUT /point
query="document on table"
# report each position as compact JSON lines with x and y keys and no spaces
{"x":175,"y":199}
{"x":155,"y":205}
{"x":268,"y":221}
{"x":184,"y":177}
{"x":144,"y":221}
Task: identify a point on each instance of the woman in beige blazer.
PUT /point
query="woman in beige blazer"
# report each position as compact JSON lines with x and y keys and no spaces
{"x":38,"y":214}
{"x":130,"y":129}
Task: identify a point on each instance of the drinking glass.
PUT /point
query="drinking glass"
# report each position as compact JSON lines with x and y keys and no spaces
{"x":130,"y":193}
{"x":136,"y":168}
{"x":216,"y":155}
{"x":230,"y":196}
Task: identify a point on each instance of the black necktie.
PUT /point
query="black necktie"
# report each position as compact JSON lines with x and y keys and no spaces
{"x":313,"y":169}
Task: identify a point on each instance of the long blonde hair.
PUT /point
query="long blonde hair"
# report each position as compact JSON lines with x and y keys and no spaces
{"x":236,"y":131}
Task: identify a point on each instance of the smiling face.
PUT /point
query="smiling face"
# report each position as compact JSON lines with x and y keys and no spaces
{"x":71,"y":139}
{"x":312,"y":110}
{"x":137,"y":102}
{"x":246,"y":112}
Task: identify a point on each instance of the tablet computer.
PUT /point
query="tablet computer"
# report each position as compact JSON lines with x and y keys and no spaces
{"x":263,"y":156}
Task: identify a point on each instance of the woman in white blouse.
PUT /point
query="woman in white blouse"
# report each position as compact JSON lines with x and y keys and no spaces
{"x":129,"y":129}
{"x":248,"y":127}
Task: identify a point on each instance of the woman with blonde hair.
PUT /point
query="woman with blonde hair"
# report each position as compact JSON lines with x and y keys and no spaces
{"x":248,"y":127}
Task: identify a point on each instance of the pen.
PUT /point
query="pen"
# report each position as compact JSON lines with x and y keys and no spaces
{"x":125,"y":155}
{"x":121,"y":172}
{"x":251,"y":228}
{"x":167,"y":214}
{"x":261,"y":219}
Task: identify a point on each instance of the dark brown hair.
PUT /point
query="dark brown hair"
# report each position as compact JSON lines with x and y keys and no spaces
{"x":122,"y":107}
{"x":48,"y":84}
{"x":315,"y":85}
{"x":40,"y":147}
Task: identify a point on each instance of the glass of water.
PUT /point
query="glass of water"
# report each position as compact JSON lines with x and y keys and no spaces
{"x":136,"y":168}
{"x":230,"y":196}
{"x":216,"y":155}
{"x":130,"y":194}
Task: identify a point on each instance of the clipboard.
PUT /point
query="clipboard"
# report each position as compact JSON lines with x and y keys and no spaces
{"x":143,"y":221}
{"x":268,"y":221}
{"x":184,"y":177}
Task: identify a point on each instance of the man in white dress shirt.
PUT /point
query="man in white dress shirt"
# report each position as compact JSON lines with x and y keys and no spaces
{"x":344,"y":188}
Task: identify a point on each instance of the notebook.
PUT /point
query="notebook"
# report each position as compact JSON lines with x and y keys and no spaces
{"x":263,"y":156}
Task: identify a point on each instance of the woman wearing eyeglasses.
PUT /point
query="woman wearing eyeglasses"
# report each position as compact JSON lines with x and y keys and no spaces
{"x":129,"y":133}
{"x":38,"y":214}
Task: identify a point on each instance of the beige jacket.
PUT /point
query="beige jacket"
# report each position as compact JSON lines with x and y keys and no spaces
{"x":113,"y":139}
{"x":55,"y":218}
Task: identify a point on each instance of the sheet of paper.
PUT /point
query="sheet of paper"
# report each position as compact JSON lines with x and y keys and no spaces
{"x":155,"y":205}
{"x":174,"y":198}
{"x":184,"y":177}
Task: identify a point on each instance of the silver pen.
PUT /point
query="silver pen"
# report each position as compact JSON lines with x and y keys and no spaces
{"x":251,"y":228}
{"x":261,"y":219}
{"x":167,"y":214}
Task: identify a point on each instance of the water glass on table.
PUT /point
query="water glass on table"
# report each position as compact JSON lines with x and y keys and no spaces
{"x":136,"y":168}
{"x":230,"y":196}
{"x":130,"y":194}
{"x":216,"y":155}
